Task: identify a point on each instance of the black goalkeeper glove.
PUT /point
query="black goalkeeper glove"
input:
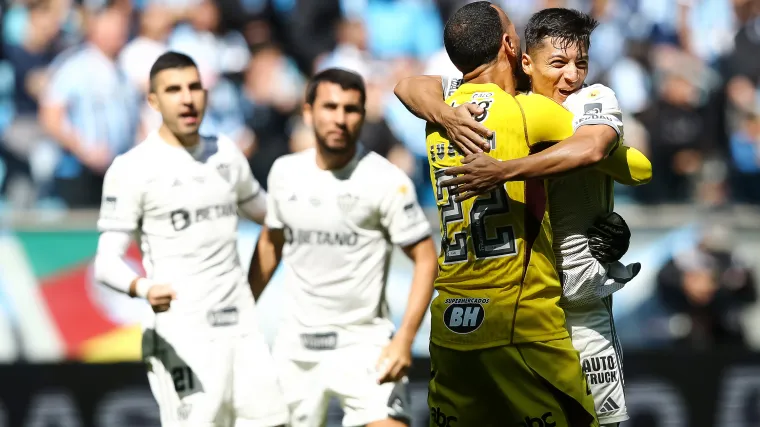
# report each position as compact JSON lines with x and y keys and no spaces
{"x":608,"y":238}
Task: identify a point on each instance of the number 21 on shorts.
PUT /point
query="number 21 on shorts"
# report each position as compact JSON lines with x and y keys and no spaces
{"x":183,"y":378}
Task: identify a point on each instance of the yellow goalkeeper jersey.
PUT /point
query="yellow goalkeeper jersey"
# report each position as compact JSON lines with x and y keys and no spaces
{"x":497,"y":282}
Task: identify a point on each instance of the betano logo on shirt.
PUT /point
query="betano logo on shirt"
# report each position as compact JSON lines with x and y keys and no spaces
{"x":319,"y":237}
{"x":183,"y":218}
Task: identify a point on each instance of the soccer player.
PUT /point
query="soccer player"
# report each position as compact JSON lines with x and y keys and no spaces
{"x":334,"y":214}
{"x":179,"y":192}
{"x":556,"y":61}
{"x":498,"y":335}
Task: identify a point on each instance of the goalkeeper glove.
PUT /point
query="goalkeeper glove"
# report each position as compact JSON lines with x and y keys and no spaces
{"x":608,"y":238}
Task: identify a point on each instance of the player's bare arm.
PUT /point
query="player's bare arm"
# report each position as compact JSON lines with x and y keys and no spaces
{"x":266,"y":257}
{"x":396,"y":358}
{"x":423,"y":96}
{"x":480,"y":173}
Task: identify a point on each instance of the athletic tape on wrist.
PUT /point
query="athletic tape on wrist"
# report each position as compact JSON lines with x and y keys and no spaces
{"x":142,"y":287}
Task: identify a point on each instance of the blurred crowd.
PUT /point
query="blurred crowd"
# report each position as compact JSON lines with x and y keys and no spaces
{"x":74,"y":73}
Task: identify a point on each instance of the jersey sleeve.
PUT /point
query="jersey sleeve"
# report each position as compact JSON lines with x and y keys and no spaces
{"x":546,"y":122}
{"x":400,"y":212}
{"x":251,"y":198}
{"x":273,"y":218}
{"x":246,"y":187}
{"x":121,"y":206}
{"x":627,"y":166}
{"x":596,"y":105}
{"x":450,"y":85}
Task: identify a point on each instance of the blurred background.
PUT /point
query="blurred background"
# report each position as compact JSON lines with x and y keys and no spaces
{"x":73,"y":73}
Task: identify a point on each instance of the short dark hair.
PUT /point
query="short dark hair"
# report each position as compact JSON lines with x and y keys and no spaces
{"x":347,"y":80}
{"x":567,"y":26}
{"x":167,"y":61}
{"x":473,"y":35}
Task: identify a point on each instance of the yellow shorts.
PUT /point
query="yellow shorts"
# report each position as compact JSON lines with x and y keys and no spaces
{"x":537,"y":384}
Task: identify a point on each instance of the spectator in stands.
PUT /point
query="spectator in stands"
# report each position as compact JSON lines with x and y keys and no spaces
{"x":213,"y":47}
{"x":29,"y":60}
{"x":704,"y":290}
{"x":398,"y":28}
{"x":271,"y":93}
{"x":314,"y":21}
{"x":135,"y":60}
{"x":90,"y":109}
{"x":377,"y":135}
{"x":351,"y":51}
{"x":678,"y":139}
{"x":156,"y":23}
{"x":745,"y":150}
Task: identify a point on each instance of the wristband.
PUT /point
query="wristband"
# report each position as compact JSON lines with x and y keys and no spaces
{"x":142,"y":286}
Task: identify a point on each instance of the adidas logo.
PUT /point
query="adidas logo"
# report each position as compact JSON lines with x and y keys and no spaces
{"x":608,"y":406}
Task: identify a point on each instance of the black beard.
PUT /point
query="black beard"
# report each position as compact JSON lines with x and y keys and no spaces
{"x":332,"y":150}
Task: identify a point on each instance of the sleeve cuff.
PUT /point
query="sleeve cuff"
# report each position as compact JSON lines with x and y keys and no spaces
{"x":413,"y":236}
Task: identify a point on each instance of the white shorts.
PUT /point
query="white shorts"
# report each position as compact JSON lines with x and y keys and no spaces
{"x":593,"y":334}
{"x":347,"y":374}
{"x":225,"y":381}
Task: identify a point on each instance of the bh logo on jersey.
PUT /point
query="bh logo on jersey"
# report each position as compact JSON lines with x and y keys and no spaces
{"x":545,"y":420}
{"x":464,"y":315}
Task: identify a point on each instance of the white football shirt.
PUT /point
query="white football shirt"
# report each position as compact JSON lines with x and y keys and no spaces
{"x":576,"y":200}
{"x":340,"y":227}
{"x":182,"y":206}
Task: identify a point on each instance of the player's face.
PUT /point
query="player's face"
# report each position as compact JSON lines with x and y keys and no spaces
{"x":180,"y":98}
{"x":556,"y":72}
{"x":336,"y":116}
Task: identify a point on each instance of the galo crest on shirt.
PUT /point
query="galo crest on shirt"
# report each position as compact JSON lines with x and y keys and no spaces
{"x":347,"y":201}
{"x":224,"y":171}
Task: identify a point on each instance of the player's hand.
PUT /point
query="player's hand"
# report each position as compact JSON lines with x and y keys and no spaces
{"x":394,"y":361}
{"x":609,"y":238}
{"x":478,"y":174}
{"x":160,"y":297}
{"x":464,"y":131}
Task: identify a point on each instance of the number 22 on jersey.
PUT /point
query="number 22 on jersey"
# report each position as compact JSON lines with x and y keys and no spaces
{"x":480,"y":220}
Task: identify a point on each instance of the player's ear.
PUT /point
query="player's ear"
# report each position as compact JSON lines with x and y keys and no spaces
{"x":307,"y":115}
{"x":153,"y":100}
{"x":527,"y":64}
{"x":509,"y":45}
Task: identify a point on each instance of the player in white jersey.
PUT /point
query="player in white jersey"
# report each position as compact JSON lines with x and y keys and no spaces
{"x":334,"y":214}
{"x":580,"y":204}
{"x":179,"y":193}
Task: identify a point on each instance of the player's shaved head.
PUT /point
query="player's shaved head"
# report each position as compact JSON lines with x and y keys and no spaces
{"x":565,"y":27}
{"x":473,"y":35}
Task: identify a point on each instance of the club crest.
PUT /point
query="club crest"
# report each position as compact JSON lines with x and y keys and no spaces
{"x":224,"y":171}
{"x":347,"y":201}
